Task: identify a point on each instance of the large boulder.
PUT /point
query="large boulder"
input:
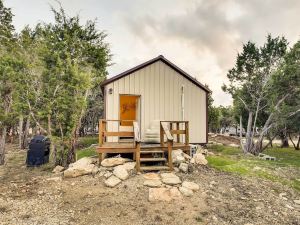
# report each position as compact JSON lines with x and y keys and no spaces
{"x":199,"y":158}
{"x":152,"y":183}
{"x":129,"y":166}
{"x":186,"y":156}
{"x":186,"y":192}
{"x":178,"y":157}
{"x":85,"y":161}
{"x":201,"y":150}
{"x":121,"y":172}
{"x":83,"y":166}
{"x":80,"y":171}
{"x":164,"y":194}
{"x":110,"y":162}
{"x":170,"y":178}
{"x":184,"y":167}
{"x":151,"y":176}
{"x":58,"y":169}
{"x":190,"y":185}
{"x":112,"y":181}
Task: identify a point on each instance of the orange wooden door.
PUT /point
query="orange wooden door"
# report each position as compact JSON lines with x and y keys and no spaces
{"x":128,"y":109}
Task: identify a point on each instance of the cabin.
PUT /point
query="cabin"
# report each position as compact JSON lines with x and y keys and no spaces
{"x":152,"y":109}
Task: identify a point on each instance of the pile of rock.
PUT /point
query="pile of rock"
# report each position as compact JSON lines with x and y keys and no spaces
{"x":121,"y":170}
{"x":114,"y":170}
{"x":168,"y":186}
{"x":183,"y":161}
{"x":83,"y":166}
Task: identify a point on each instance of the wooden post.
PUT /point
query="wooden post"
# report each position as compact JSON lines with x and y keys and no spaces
{"x":161,"y":135}
{"x":171,"y":128}
{"x":170,"y":162}
{"x":99,"y":159}
{"x":178,"y":135}
{"x":137,"y":156}
{"x":100,"y":140}
{"x":100,"y":133}
{"x":187,"y":137}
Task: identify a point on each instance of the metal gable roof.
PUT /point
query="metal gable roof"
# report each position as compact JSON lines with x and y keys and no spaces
{"x":164,"y":60}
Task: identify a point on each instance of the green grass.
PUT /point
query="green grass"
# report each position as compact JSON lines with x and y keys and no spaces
{"x":285,"y":156}
{"x":84,"y":147}
{"x":231,"y":159}
{"x":87,"y":141}
{"x":86,"y":152}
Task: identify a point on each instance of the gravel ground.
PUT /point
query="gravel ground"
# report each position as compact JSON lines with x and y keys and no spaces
{"x":33,"y":196}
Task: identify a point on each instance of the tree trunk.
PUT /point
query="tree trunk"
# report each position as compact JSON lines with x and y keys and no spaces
{"x":20,"y":131}
{"x":49,"y":125}
{"x":249,"y":144}
{"x":71,"y":152}
{"x":270,"y":141}
{"x":2,"y":145}
{"x":296,"y":146}
{"x":25,"y":133}
{"x":241,"y":136}
{"x":284,"y":138}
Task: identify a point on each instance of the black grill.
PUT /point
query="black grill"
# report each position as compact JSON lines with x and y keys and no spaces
{"x":39,"y":151}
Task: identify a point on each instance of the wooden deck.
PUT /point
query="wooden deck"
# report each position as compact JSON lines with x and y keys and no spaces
{"x":144,"y":146}
{"x":158,"y":155}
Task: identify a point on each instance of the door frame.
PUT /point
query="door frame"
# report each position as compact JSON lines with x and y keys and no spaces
{"x":139,"y":110}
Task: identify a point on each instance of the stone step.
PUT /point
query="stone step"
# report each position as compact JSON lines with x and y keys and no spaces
{"x":153,"y":159}
{"x":151,"y":151}
{"x":149,"y":168}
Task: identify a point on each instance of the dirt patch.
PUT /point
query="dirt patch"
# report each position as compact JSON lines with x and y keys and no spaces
{"x":28,"y":197}
{"x":225,"y":140}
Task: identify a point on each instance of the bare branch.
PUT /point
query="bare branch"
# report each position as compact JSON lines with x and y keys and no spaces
{"x":246,"y":106}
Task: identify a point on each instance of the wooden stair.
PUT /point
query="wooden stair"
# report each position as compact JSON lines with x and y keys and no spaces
{"x":153,"y":159}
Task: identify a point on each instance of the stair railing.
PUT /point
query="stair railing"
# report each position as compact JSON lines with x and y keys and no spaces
{"x":164,"y":131}
{"x":178,"y":128}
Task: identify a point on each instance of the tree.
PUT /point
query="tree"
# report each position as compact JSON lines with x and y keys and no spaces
{"x":213,"y":115}
{"x":293,"y":130}
{"x":10,"y":68}
{"x":259,"y":85}
{"x":93,"y":112}
{"x":226,"y":117}
{"x":287,"y":82}
{"x":74,"y":58}
{"x":28,"y":83}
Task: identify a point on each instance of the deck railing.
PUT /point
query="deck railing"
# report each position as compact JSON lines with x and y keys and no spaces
{"x":176,"y":129}
{"x":104,"y":133}
{"x":164,"y":131}
{"x":171,"y":131}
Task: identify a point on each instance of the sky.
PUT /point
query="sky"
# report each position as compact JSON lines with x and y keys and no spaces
{"x":203,"y":37}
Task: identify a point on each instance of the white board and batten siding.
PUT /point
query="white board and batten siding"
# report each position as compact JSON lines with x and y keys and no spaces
{"x":160,"y":90}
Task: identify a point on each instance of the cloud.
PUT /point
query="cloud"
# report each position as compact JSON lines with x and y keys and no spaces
{"x":201,"y":36}
{"x":211,"y":33}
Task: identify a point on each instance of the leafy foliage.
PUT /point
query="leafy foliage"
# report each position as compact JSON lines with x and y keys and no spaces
{"x":263,"y":86}
{"x":75,"y":60}
{"x":51,"y":74}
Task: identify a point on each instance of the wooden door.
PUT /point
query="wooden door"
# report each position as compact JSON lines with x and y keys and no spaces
{"x":129,"y":109}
